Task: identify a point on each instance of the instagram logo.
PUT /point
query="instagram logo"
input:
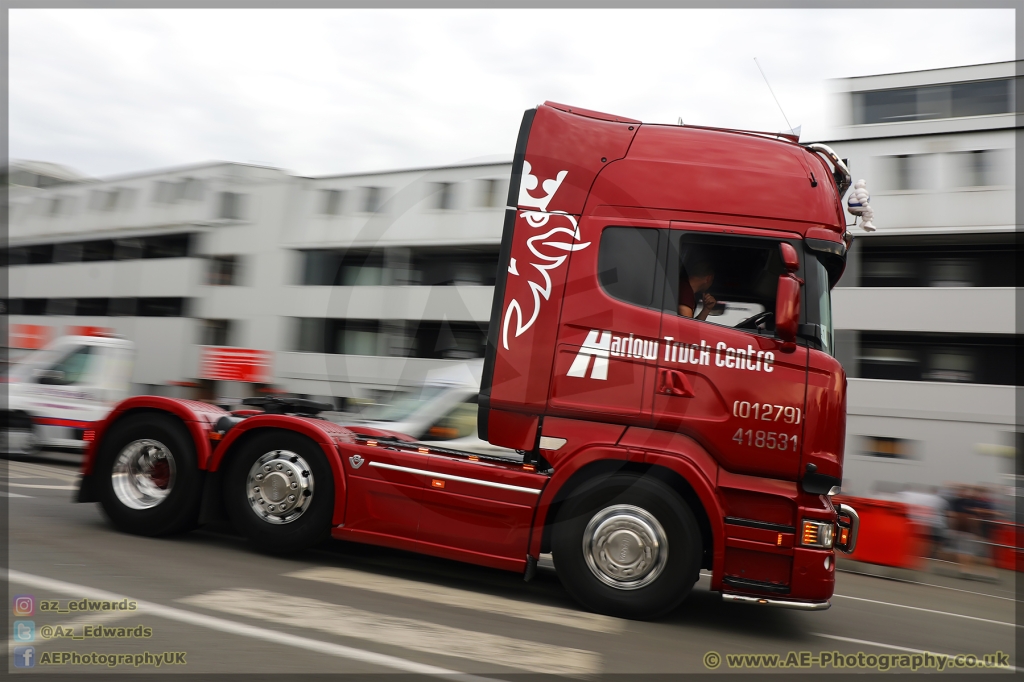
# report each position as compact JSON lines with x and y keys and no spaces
{"x":24,"y":605}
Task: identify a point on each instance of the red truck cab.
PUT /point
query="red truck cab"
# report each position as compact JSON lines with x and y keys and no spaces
{"x":659,"y":352}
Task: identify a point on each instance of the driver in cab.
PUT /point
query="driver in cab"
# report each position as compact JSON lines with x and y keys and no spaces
{"x":695,"y":279}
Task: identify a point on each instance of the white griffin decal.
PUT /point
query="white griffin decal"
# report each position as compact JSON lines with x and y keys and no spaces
{"x":536,"y":219}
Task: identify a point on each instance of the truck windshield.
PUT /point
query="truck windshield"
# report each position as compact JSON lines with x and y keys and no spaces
{"x":819,"y":301}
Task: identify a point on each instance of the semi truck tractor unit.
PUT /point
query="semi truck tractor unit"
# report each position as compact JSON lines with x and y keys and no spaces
{"x":659,"y":356}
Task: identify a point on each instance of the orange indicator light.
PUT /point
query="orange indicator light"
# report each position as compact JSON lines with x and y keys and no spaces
{"x":88,"y":435}
{"x":779,"y":540}
{"x":436,"y":483}
{"x":371,"y":442}
{"x":529,"y":467}
{"x":423,"y":451}
{"x":810,"y":534}
{"x":216,"y":435}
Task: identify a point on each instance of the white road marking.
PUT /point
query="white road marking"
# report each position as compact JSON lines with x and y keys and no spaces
{"x":916,"y":582}
{"x":463,"y":599}
{"x":235,"y":628}
{"x":4,"y":493}
{"x":918,"y":608}
{"x":865,"y":642}
{"x":45,"y":487}
{"x":417,"y":635}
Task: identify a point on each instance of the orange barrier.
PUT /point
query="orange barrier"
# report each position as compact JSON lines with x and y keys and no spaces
{"x":1007,"y":546}
{"x":888,"y":537}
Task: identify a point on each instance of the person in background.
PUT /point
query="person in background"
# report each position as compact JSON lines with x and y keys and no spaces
{"x":696,"y":278}
{"x":981,"y":515}
{"x":928,"y":510}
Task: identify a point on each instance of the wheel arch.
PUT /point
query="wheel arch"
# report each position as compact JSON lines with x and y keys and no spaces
{"x":608,"y":467}
{"x":259,"y":425}
{"x":196,"y":426}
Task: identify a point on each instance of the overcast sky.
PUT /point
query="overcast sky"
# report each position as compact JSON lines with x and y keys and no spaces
{"x":322,"y":92}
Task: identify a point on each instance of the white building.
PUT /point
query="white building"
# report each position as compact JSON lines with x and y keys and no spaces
{"x":925,"y":314}
{"x":359,"y":284}
{"x":354,"y":284}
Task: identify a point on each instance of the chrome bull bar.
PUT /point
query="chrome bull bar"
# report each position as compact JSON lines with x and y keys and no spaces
{"x":852,"y":524}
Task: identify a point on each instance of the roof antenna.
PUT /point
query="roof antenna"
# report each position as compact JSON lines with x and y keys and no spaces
{"x":773,"y":94}
{"x":681,"y":121}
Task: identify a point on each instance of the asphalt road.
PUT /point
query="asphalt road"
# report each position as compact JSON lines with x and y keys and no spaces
{"x":358,"y":609}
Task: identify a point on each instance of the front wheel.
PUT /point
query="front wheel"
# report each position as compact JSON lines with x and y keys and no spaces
{"x":627,"y":546}
{"x":279,"y":492}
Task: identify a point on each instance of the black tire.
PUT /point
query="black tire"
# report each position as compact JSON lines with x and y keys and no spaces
{"x":667,"y":586}
{"x":178,"y":510}
{"x":306,"y":529}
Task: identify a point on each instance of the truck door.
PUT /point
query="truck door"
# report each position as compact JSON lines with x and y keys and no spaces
{"x":608,"y":335}
{"x":724,"y":379}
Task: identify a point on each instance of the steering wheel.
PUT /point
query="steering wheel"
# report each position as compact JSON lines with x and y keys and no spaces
{"x":760,"y":322}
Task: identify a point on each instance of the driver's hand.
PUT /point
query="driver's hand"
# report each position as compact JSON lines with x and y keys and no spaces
{"x":709,"y":301}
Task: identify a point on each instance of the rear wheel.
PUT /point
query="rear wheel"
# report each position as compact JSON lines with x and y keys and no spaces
{"x":627,"y":546}
{"x":149,"y":478}
{"x":279,"y":492}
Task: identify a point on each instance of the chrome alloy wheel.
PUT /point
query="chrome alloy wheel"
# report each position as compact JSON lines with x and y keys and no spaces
{"x":279,"y":486}
{"x":625,"y":547}
{"x":143,"y":474}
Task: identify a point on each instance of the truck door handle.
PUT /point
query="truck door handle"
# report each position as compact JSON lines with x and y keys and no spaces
{"x":674,"y":382}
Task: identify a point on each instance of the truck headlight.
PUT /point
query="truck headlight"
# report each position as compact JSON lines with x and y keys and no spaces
{"x":816,"y":533}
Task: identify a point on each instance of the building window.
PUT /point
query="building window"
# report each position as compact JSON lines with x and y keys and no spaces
{"x":61,"y":306}
{"x":223,"y":271}
{"x":908,"y":171}
{"x":161,"y":307}
{"x":977,"y":168}
{"x":445,"y":195}
{"x":986,"y":261}
{"x":977,"y":98}
{"x":99,"y":250}
{"x":95,"y":307}
{"x":168,"y":192}
{"x":167,"y":246}
{"x":309,"y":335}
{"x":127,"y":249}
{"x":372,"y":199}
{"x":230,"y":206}
{"x":490,"y":193}
{"x":956,"y":358}
{"x":887,"y":448}
{"x":123,"y":307}
{"x":68,"y":252}
{"x":330,"y":201}
{"x":216,"y":332}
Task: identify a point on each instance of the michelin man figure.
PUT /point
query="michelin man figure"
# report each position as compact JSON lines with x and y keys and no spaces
{"x":858,"y":205}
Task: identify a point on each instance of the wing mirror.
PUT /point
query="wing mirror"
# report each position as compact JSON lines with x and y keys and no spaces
{"x":787,"y":299}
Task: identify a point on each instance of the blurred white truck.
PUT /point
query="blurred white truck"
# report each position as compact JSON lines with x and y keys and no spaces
{"x":56,"y":394}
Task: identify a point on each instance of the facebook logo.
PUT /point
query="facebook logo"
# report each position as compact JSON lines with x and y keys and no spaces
{"x":24,"y":631}
{"x":24,"y":657}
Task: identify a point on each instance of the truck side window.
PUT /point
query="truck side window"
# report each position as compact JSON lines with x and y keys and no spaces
{"x":627,"y":264}
{"x":725,"y":280}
